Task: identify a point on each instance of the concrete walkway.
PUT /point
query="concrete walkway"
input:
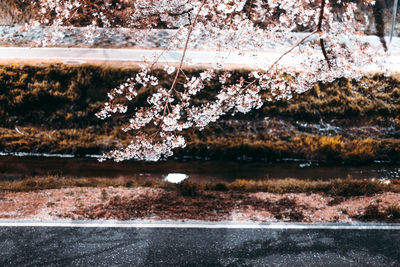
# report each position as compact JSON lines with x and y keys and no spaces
{"x":249,"y":59}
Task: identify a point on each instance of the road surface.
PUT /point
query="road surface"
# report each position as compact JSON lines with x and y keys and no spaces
{"x":197,"y":246}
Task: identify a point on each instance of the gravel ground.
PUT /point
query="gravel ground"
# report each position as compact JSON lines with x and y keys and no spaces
{"x":159,"y":204}
{"x":19,"y":36}
{"x":124,"y":37}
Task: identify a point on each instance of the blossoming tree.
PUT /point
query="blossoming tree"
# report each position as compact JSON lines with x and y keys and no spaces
{"x":330,"y":48}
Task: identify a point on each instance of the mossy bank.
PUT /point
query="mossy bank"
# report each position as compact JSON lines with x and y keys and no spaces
{"x":50,"y":108}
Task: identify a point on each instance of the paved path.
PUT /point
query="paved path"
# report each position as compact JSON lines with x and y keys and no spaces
{"x":80,"y":55}
{"x":165,"y":246}
{"x":249,"y":59}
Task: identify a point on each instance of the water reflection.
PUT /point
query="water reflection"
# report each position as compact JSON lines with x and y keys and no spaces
{"x":19,"y":167}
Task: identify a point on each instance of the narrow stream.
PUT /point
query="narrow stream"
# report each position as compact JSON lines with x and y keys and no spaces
{"x":12,"y":168}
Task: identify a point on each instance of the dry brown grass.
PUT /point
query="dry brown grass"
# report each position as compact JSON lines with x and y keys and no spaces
{"x":54,"y":105}
{"x":375,"y":212}
{"x":335,"y":187}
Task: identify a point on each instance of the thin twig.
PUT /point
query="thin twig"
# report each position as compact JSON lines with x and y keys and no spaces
{"x":183,"y":55}
{"x":164,"y":50}
{"x":184,"y":74}
{"x":186,"y":45}
{"x":284,"y":54}
{"x":293,"y":47}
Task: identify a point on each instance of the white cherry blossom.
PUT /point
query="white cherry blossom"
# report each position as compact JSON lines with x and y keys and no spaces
{"x":331,"y":44}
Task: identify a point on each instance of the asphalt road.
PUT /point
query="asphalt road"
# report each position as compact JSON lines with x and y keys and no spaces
{"x":77,"y":246}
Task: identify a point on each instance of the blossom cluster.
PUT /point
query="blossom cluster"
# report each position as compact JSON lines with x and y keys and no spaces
{"x":331,"y":49}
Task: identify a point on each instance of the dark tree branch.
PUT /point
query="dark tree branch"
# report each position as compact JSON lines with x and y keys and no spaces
{"x":380,"y":22}
{"x":319,"y":27}
{"x":321,"y":42}
{"x":321,"y":15}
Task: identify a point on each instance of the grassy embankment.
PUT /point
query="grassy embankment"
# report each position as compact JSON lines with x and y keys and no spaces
{"x":336,"y":187}
{"x":50,"y":108}
{"x":307,"y":201}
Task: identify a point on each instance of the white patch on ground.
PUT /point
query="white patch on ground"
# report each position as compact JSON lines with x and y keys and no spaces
{"x":175,"y":178}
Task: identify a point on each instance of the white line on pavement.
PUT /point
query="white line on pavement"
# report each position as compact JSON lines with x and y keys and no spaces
{"x":206,"y":225}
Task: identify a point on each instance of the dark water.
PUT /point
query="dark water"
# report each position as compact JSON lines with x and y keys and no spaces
{"x":12,"y":167}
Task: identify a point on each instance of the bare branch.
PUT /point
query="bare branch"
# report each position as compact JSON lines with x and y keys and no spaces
{"x":186,"y":46}
{"x":321,"y":15}
{"x":183,"y":56}
{"x":321,"y":41}
{"x":322,"y":44}
{"x":293,"y":47}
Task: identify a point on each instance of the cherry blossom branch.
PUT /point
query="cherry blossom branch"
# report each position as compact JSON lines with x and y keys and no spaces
{"x":293,"y":47}
{"x":174,"y":109}
{"x":284,"y":54}
{"x":186,"y":45}
{"x":183,"y":56}
{"x":164,"y":50}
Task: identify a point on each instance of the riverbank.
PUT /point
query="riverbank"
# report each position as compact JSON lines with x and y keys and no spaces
{"x":240,"y":201}
{"x":50,"y":108}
